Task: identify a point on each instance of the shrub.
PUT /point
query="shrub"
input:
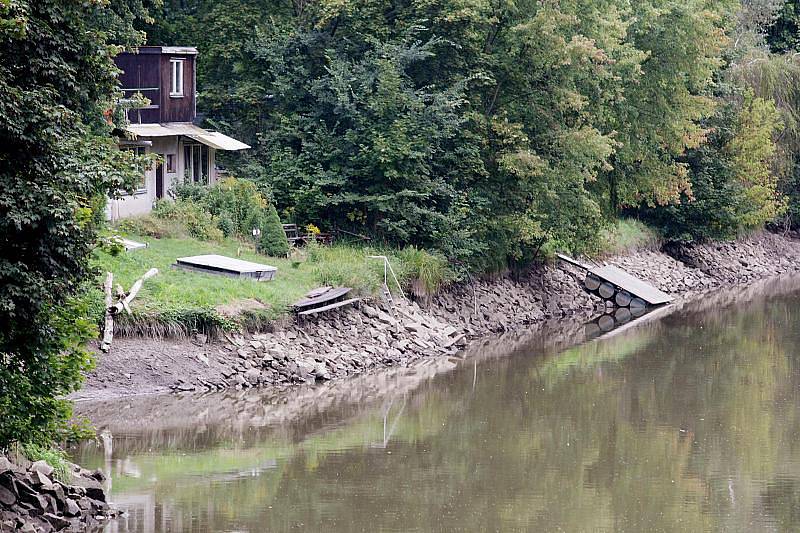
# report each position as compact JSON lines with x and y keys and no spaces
{"x":200,"y":224}
{"x":733,"y":190}
{"x":628,"y":235}
{"x":273,"y":239}
{"x":426,"y":273}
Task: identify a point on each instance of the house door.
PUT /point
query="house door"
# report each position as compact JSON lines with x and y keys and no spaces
{"x":160,"y":179}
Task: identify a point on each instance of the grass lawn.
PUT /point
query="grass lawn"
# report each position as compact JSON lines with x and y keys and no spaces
{"x":178,"y":301}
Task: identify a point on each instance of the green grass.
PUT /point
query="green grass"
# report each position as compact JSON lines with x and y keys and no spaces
{"x":52,"y":456}
{"x":629,"y":235}
{"x":178,"y":302}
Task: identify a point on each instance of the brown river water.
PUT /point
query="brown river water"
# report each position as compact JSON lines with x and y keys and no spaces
{"x":686,"y":421}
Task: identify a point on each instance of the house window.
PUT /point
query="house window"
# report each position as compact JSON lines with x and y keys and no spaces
{"x":176,"y":86}
{"x":170,"y":163}
{"x":196,"y":163}
{"x":141,"y":184}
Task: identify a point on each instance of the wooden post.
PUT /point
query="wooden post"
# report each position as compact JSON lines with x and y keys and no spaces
{"x":108,"y":330}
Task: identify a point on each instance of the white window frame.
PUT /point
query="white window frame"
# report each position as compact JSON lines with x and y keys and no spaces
{"x":176,"y":77}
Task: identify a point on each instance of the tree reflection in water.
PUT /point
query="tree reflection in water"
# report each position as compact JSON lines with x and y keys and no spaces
{"x":686,"y":422}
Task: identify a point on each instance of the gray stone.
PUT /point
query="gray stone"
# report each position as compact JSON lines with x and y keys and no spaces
{"x":58,"y":522}
{"x":253,"y":376}
{"x":71,"y":508}
{"x":43,"y":467}
{"x":7,"y":497}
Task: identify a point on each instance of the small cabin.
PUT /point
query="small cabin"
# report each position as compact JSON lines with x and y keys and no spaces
{"x":166,"y":77}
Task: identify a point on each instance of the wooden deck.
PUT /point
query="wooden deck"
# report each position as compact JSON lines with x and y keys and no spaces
{"x":227,"y":266}
{"x":320,"y":297}
{"x":328,"y":307}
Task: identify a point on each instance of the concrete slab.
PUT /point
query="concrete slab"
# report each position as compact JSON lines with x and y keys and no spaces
{"x":227,"y":266}
{"x":633,"y":285}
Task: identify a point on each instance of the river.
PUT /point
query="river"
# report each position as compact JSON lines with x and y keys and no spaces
{"x":689,"y":421}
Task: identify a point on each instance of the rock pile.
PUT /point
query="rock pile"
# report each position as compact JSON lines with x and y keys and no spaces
{"x":496,"y":306}
{"x":687,"y":269}
{"x":330,"y":346}
{"x":32,"y":500}
{"x":353,"y":340}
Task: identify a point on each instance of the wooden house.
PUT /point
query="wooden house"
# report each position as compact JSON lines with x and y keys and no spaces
{"x":166,"y":77}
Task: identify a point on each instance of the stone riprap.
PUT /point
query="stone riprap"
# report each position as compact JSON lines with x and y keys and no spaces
{"x":345,"y":343}
{"x":354,"y":340}
{"x":33,"y":500}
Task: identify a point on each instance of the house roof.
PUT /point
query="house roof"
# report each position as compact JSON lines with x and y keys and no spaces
{"x":172,"y":50}
{"x":213,"y":139}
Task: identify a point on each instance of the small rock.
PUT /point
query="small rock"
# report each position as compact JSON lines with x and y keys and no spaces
{"x":7,"y":497}
{"x":43,"y":467}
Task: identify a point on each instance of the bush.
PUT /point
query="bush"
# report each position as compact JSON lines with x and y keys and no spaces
{"x":426,"y":272}
{"x":199,"y":223}
{"x":732,"y":188}
{"x":273,"y":239}
{"x":628,"y":235}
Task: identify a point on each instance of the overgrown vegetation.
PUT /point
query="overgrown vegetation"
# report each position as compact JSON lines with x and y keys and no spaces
{"x":177,"y":302}
{"x":57,"y":159}
{"x":496,"y":133}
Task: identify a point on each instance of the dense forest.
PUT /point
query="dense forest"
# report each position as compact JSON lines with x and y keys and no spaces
{"x":490,"y":131}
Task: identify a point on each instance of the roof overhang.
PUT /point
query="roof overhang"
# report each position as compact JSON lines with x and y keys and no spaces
{"x":212,"y":139}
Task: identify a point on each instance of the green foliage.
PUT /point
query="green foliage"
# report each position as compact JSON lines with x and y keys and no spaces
{"x":732,"y":188}
{"x":238,"y":207}
{"x":199,"y":223}
{"x":426,"y":273}
{"x":784,"y":34}
{"x":273,"y":239}
{"x":629,"y":235}
{"x":495,"y":133}
{"x":56,"y":159}
{"x":52,"y":456}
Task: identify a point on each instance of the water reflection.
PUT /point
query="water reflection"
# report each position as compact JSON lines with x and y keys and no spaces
{"x":688,"y":422}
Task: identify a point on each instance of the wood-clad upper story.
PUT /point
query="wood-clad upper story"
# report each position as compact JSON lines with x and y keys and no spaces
{"x":165,"y":75}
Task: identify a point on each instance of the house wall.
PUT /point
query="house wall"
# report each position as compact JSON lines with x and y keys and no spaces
{"x":141,"y":73}
{"x":142,"y":201}
{"x":149,"y":71}
{"x":173,"y":108}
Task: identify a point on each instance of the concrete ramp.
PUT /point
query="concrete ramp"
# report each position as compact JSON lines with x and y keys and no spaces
{"x":635,"y":286}
{"x":615,"y":285}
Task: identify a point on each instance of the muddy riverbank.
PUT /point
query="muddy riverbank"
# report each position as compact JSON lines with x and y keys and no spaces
{"x":371,"y":336}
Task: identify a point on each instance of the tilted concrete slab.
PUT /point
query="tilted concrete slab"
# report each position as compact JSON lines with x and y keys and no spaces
{"x":633,"y":285}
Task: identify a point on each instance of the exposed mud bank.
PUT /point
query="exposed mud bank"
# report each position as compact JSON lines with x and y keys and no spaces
{"x":358,"y":340}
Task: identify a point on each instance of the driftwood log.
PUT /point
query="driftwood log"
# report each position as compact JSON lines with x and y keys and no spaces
{"x":124,"y":303}
{"x":108,"y":328}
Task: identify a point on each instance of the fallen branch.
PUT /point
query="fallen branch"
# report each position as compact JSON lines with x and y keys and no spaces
{"x":108,"y":331}
{"x":124,"y":304}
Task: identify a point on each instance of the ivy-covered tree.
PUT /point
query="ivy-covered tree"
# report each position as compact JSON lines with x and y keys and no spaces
{"x":57,"y":164}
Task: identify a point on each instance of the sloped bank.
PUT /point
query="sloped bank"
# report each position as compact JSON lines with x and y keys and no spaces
{"x":356,"y":340}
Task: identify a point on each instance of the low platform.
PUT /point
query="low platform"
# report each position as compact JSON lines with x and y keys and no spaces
{"x":227,"y":266}
{"x":321,"y":296}
{"x":636,"y":287}
{"x":614,"y":284}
